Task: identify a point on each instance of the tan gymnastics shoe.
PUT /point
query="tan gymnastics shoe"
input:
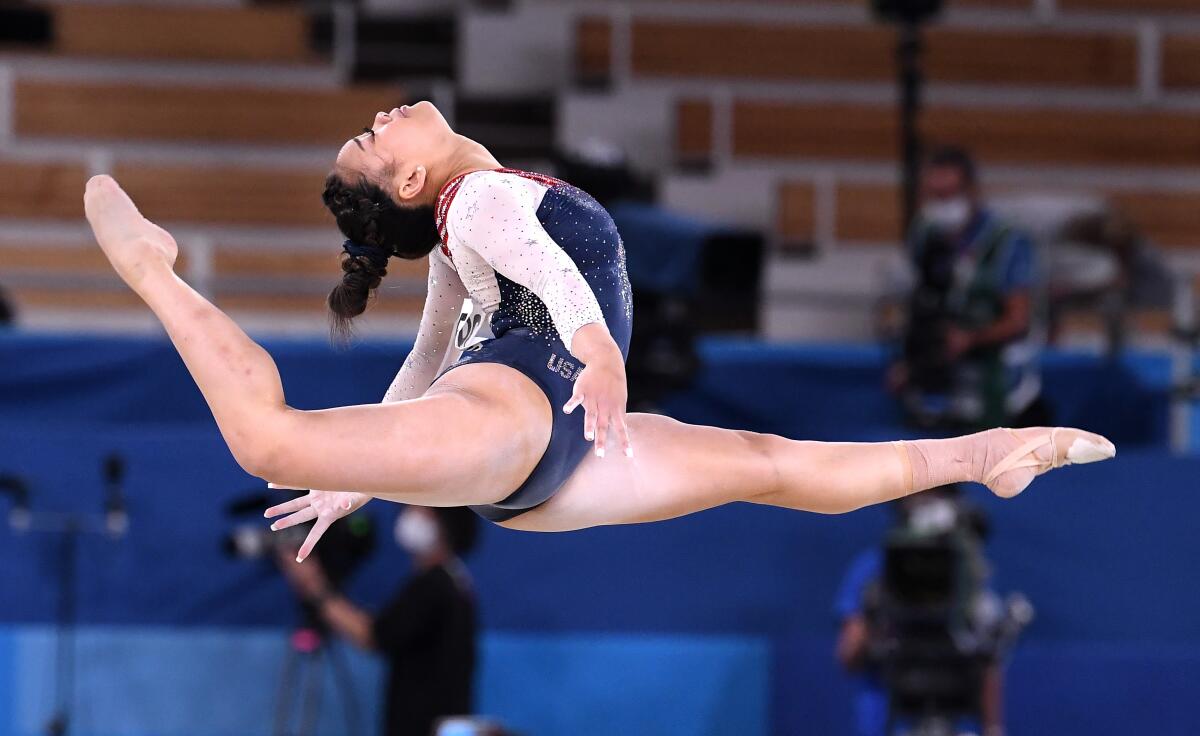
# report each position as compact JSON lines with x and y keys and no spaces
{"x":1037,"y":450}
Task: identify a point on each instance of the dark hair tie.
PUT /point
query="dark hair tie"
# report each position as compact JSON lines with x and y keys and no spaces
{"x":378,"y":257}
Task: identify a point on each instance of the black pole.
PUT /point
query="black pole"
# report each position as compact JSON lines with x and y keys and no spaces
{"x":908,"y":56}
{"x":60,"y":724}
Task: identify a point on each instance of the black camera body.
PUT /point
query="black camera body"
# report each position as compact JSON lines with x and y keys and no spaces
{"x":934,"y":626}
{"x":344,"y":547}
{"x":930,"y":316}
{"x":929,"y":647}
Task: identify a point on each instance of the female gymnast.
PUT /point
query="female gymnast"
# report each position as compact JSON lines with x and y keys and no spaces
{"x":497,"y":430}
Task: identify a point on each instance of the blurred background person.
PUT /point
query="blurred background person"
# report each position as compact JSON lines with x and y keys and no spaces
{"x":427,"y":632}
{"x":1102,"y":264}
{"x":971,"y":308}
{"x":870,"y":645}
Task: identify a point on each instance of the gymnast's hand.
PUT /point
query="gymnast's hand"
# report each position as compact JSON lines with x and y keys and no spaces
{"x":324,"y":506}
{"x":600,"y":388}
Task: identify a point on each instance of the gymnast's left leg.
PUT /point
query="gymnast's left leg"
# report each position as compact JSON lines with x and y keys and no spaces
{"x":679,"y":469}
{"x":395,"y":451}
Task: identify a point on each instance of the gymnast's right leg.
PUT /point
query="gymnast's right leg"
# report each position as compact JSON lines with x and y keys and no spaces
{"x":405,"y":451}
{"x":679,"y":469}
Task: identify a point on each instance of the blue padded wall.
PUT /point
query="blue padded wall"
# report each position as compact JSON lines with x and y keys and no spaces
{"x":718,"y":623}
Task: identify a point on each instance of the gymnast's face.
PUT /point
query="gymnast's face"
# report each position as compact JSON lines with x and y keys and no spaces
{"x":397,"y":150}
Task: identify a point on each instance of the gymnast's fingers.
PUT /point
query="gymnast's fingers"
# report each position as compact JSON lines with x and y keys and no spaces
{"x":288,"y":507}
{"x":622,"y":431}
{"x":314,"y":536}
{"x":281,"y":487}
{"x":589,"y":420}
{"x":602,"y":420}
{"x":307,"y":513}
{"x":575,"y":401}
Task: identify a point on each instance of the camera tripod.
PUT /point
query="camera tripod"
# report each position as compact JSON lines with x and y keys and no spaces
{"x":309,"y":649}
{"x":112,"y":523}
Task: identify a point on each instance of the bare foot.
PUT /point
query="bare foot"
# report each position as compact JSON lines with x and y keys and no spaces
{"x":134,"y":245}
{"x":1011,"y":458}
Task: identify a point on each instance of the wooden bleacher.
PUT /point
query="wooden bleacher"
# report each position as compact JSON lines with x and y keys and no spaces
{"x":807,"y":130}
{"x":41,"y":190}
{"x":870,"y":213}
{"x":76,"y":275}
{"x":867,"y":213}
{"x":240,"y":261}
{"x":78,"y":258}
{"x":769,"y":52}
{"x":1181,"y":62}
{"x":253,"y":34}
{"x":263,"y":196}
{"x":799,"y":87}
{"x":1132,"y":6}
{"x":1169,"y":218}
{"x":211,"y":83}
{"x":593,"y":50}
{"x":181,"y":112}
{"x":1119,"y":6}
{"x":1118,"y":127}
{"x":805,"y":99}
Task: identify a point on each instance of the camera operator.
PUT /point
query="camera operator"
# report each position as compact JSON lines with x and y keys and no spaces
{"x":971,"y":306}
{"x":427,"y":632}
{"x":865,"y":622}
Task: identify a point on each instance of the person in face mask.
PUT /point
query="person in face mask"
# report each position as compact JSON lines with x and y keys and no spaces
{"x":972,"y":300}
{"x":856,"y":609}
{"x":427,"y":631}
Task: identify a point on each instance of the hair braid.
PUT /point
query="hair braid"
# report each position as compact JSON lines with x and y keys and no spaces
{"x":370,"y":218}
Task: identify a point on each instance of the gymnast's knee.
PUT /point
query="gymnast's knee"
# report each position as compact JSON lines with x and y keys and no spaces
{"x":762,"y":448}
{"x":262,"y":449}
{"x":787,"y":490}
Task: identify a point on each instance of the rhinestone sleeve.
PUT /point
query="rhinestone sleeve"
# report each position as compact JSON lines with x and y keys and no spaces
{"x":495,"y":216}
{"x":443,"y":302}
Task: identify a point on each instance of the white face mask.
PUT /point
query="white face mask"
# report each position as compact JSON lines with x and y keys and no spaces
{"x":948,"y":216}
{"x":933,"y":517}
{"x":415,"y":532}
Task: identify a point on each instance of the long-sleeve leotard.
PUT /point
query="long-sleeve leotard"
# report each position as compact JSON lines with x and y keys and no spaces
{"x":492,"y":228}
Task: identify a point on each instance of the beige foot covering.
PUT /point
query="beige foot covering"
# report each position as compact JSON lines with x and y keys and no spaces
{"x":1005,"y":460}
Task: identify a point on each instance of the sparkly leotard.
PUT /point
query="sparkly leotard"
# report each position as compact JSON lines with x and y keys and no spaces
{"x":543,"y":259}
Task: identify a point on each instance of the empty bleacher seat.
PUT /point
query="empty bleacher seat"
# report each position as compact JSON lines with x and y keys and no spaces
{"x":239,"y":195}
{"x":1043,"y":136}
{"x":796,"y":213}
{"x":1169,"y":218}
{"x":593,"y":50}
{"x":870,"y":213}
{"x":761,"y":51}
{"x":36,"y":190}
{"x":1132,"y":6}
{"x":181,"y":32}
{"x":1181,"y":62}
{"x":176,"y":112}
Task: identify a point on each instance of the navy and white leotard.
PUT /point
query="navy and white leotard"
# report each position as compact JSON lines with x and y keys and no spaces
{"x":543,"y":259}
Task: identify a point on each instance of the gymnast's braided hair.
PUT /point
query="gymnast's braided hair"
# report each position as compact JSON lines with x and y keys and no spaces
{"x":376,"y":228}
